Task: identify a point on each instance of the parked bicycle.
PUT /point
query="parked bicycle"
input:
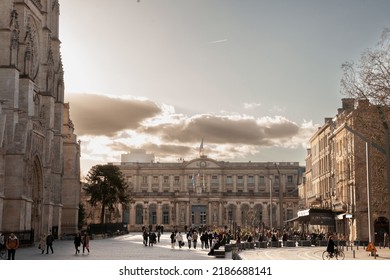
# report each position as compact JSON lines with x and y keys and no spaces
{"x":338,"y":254}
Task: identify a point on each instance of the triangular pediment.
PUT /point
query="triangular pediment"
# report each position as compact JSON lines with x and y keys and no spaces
{"x":202,"y":163}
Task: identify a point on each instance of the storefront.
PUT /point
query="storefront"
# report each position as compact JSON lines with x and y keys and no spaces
{"x":314,"y":220}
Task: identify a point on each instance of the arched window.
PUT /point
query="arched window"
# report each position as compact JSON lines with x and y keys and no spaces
{"x":258,"y":215}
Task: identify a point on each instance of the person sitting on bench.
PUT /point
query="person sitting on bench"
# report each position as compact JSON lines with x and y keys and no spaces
{"x":216,"y":246}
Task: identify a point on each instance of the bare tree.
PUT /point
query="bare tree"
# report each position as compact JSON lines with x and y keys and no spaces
{"x":370,"y":79}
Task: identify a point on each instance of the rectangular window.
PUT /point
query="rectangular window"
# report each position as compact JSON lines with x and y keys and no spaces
{"x":251,"y":179}
{"x":165,"y":217}
{"x":155,"y":179}
{"x":177,"y":180}
{"x":289,"y":179}
{"x":202,"y":218}
{"x":214,"y":180}
{"x":261,"y":180}
{"x":166,"y":179}
{"x":144,"y":179}
{"x":229,"y":180}
{"x":240,"y":180}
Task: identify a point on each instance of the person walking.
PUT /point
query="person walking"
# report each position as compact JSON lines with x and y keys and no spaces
{"x":49,"y":243}
{"x":179,"y":239}
{"x":205,"y":240}
{"x":145,"y":237}
{"x":210,"y":239}
{"x":42,"y":243}
{"x":12,"y":244}
{"x":195,"y":238}
{"x":85,"y":242}
{"x":77,"y":243}
{"x":173,"y":240}
{"x":189,"y":239}
{"x":158,"y":235}
{"x":152,"y":238}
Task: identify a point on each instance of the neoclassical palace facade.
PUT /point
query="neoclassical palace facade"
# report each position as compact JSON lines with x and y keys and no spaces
{"x":207,"y":192}
{"x":39,"y":153}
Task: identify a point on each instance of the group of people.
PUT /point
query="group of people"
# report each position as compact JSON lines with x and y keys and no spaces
{"x":208,"y":240}
{"x":81,"y":240}
{"x":150,"y":238}
{"x":46,"y":243}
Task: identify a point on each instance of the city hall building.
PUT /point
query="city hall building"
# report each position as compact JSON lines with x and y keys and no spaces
{"x":208,"y":192}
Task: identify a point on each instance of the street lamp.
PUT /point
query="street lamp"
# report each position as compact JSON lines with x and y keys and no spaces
{"x":270,"y":202}
{"x":102,"y":184}
{"x":368,"y":193}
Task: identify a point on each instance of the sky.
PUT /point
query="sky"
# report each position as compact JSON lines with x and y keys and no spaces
{"x":253,"y":78}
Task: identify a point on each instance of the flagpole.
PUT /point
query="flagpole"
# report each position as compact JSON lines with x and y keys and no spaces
{"x":201,"y":148}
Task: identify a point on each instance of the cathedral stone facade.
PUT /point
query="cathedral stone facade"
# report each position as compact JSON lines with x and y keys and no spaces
{"x":39,"y":153}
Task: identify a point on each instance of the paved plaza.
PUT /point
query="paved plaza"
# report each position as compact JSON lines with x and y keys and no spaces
{"x":311,"y":253}
{"x":124,"y":247}
{"x":130,"y":247}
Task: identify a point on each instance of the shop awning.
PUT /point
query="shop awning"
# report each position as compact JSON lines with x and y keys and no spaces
{"x":315,"y":216}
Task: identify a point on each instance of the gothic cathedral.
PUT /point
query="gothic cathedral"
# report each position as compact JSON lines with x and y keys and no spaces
{"x":39,"y":152}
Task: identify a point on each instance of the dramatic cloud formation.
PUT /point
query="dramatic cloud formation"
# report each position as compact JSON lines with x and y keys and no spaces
{"x":111,"y":126}
{"x":103,"y":115}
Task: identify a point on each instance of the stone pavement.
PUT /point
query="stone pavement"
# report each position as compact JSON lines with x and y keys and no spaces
{"x":125,"y":247}
{"x":130,"y":247}
{"x":310,"y":253}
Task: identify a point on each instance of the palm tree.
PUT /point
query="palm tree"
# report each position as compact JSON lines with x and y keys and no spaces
{"x":106,"y":187}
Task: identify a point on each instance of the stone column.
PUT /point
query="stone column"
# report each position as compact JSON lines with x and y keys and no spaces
{"x":210,"y":214}
{"x":159,"y":213}
{"x":238,"y":214}
{"x":220,"y":214}
{"x":187,"y":219}
{"x":150,"y":179}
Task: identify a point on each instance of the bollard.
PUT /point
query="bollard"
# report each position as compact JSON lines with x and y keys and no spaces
{"x":353,"y":253}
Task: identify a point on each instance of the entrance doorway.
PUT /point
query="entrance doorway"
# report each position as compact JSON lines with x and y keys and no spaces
{"x":381,"y":225}
{"x":37,"y":203}
{"x":198,"y":215}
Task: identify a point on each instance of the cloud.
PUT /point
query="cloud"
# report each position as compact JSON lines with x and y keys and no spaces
{"x":251,"y":105}
{"x":95,"y":114}
{"x":218,"y":41}
{"x":110,"y":126}
{"x":233,"y":129}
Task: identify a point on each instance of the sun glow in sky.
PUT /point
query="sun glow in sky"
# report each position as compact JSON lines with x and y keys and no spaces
{"x":253,"y":78}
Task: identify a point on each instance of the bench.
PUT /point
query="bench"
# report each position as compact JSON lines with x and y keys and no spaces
{"x":219,"y":253}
